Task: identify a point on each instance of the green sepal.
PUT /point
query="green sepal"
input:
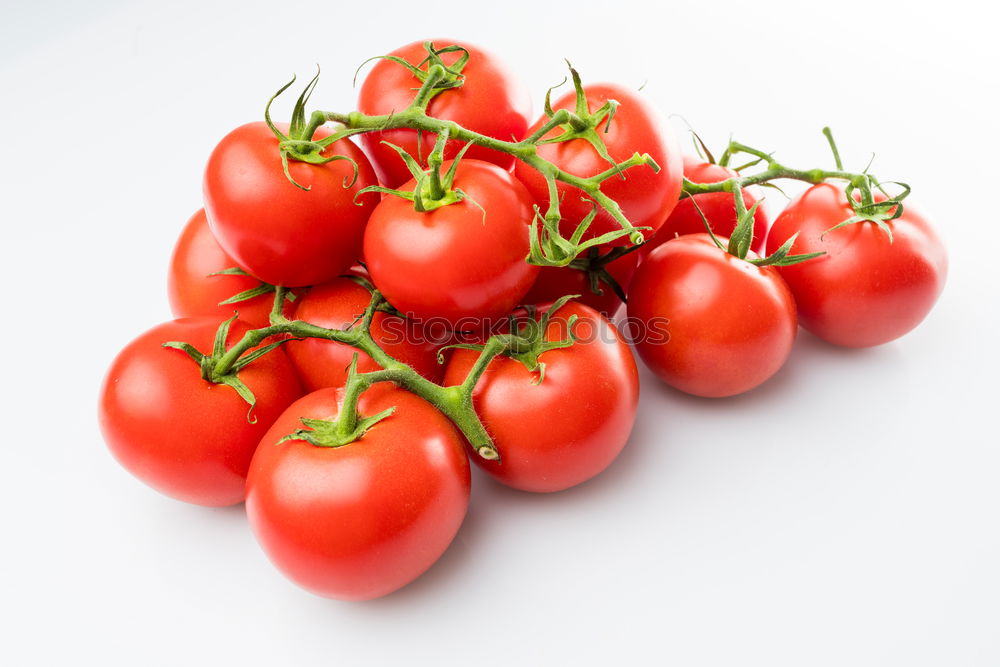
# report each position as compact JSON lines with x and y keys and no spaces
{"x":233,"y":380}
{"x":187,"y":348}
{"x":326,"y":433}
{"x":780,"y":257}
{"x":296,"y":145}
{"x":526,"y":342}
{"x":253,"y":355}
{"x":246,"y":295}
{"x":742,"y":237}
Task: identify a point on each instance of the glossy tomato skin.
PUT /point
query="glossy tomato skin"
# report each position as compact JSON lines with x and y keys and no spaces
{"x":278,"y":232}
{"x":719,"y":208}
{"x":359,"y":521}
{"x":572,"y":425}
{"x":194,"y":292}
{"x":729,"y":324}
{"x":554,"y":282}
{"x":490,"y":101}
{"x":646,"y":197}
{"x":183,"y":436}
{"x":337,"y":304}
{"x":865,"y":290}
{"x":455,"y":263}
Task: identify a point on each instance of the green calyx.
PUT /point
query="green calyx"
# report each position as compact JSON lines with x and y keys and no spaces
{"x":450,"y":76}
{"x":582,"y":123}
{"x":527,"y":341}
{"x":433,"y":188}
{"x":219,"y":368}
{"x":298,"y":144}
{"x":252,"y":293}
{"x":595,"y":266}
{"x":350,"y":425}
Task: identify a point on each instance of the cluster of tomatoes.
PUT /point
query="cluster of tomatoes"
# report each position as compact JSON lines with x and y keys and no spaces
{"x":353,"y":496}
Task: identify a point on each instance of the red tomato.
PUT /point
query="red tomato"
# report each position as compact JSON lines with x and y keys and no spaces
{"x":557,"y":281}
{"x":278,"y":232}
{"x":572,"y":425}
{"x":865,"y":290}
{"x":194,"y":292}
{"x":359,"y":521}
{"x":335,"y":305}
{"x":719,"y":208}
{"x":455,"y":262}
{"x":490,"y":101}
{"x":646,"y":197}
{"x":711,"y":324}
{"x":186,"y":437}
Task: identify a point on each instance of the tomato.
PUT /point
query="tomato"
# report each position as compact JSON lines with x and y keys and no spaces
{"x":711,"y":324}
{"x":646,"y":197}
{"x":194,"y":292}
{"x":460,"y":262}
{"x":489,"y":101}
{"x":865,"y":290}
{"x":184,"y":436}
{"x":719,"y":208}
{"x":361,"y":520}
{"x":557,"y":281}
{"x":560,"y":432}
{"x":278,"y":232}
{"x":337,"y":304}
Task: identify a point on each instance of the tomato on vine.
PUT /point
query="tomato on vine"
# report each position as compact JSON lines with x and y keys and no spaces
{"x":479,"y":94}
{"x":718,"y":208}
{"x":711,"y":323}
{"x":290,"y":222}
{"x":587,"y":275}
{"x":612,"y":124}
{"x":456,"y":254}
{"x":876,"y":281}
{"x":204,"y":280}
{"x":188,"y":437}
{"x":357,"y":515}
{"x":561,"y":405}
{"x":339,"y":304}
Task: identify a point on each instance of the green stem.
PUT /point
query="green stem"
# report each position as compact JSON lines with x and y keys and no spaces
{"x":454,"y":402}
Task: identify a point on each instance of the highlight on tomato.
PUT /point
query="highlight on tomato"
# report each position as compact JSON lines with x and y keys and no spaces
{"x":360,"y":515}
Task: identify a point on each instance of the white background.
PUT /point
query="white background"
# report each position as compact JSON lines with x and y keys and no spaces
{"x":843,"y":514}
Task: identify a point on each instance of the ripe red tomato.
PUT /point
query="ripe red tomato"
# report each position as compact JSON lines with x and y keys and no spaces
{"x":361,"y":520}
{"x":184,"y":436}
{"x":194,"y":292}
{"x":278,"y":232}
{"x":711,"y":324}
{"x":337,"y":304}
{"x":865,"y":290}
{"x":490,"y":101}
{"x":572,"y":425}
{"x":458,"y":262}
{"x":646,"y":197}
{"x":554,"y":282}
{"x":719,"y":208}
